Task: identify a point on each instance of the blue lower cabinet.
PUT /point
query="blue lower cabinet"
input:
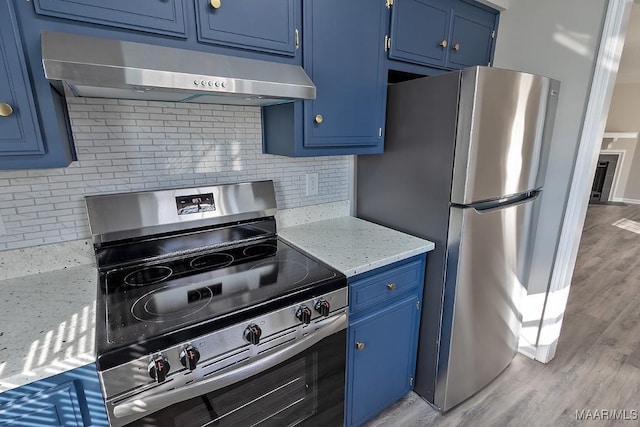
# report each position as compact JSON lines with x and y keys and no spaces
{"x":382,"y":360}
{"x":70,"y":399}
{"x":383,"y":338}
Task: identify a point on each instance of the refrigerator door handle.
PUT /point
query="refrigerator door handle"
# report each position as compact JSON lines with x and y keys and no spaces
{"x":494,"y":205}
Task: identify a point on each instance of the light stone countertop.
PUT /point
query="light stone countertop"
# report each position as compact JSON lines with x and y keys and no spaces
{"x":47,"y":324}
{"x":47,"y":320}
{"x":352,"y":245}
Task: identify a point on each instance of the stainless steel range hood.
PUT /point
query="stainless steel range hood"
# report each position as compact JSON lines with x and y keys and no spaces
{"x":105,"y":68}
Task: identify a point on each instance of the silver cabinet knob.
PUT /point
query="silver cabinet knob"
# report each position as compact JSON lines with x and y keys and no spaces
{"x":215,"y":4}
{"x":360,"y":345}
{"x":318,"y":119}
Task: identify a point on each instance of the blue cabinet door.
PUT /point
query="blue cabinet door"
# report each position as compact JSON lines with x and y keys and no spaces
{"x":266,"y":26}
{"x":420,"y":31}
{"x":344,"y":58}
{"x":19,"y":127}
{"x":471,"y":36}
{"x":154,"y":16}
{"x":70,"y":399}
{"x":381,"y":359}
{"x":36,"y":134}
{"x":343,"y":53}
{"x":449,"y":34}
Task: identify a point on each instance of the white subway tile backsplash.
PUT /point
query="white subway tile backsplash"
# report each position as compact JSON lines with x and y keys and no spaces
{"x":141,"y":145}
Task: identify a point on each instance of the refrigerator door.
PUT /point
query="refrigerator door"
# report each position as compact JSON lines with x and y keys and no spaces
{"x":487,"y":265}
{"x":501,"y":132}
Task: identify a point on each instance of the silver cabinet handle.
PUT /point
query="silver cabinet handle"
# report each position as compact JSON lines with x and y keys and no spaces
{"x":140,"y":404}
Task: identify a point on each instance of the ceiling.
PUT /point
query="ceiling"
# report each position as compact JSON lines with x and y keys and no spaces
{"x":629,"y":71}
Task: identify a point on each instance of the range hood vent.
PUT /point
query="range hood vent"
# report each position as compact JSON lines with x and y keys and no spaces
{"x":105,"y":68}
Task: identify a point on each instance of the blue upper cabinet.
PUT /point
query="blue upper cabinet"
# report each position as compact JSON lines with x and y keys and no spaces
{"x":344,"y":60}
{"x":153,"y":16}
{"x":419,"y":31}
{"x":449,"y":34}
{"x":70,"y":399}
{"x":472,"y":35}
{"x":19,"y":127}
{"x":34,"y":127}
{"x":265,"y":26}
{"x":343,"y":54}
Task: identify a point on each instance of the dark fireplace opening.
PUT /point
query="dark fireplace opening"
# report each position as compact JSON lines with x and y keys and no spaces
{"x":603,"y":179}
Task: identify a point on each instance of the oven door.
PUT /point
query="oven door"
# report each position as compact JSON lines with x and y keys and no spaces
{"x":305,"y":389}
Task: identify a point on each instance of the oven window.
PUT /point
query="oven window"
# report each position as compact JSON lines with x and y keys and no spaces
{"x":305,"y":390}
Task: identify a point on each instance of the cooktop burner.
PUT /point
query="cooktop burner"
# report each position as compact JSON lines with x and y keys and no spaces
{"x":260,"y":250}
{"x":168,"y":304}
{"x":214,"y":260}
{"x":148,"y":275}
{"x":293,"y":270}
{"x":153,"y":300}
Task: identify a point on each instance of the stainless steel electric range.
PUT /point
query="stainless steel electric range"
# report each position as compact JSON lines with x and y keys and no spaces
{"x":205,"y":317}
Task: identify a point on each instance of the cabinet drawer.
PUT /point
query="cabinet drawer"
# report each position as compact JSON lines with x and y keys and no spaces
{"x":383,"y":286}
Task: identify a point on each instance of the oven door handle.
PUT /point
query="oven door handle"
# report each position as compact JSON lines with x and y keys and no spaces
{"x":141,"y":406}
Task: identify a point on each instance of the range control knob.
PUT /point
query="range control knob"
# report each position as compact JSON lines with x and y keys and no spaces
{"x":159,"y":368}
{"x":304,"y":314}
{"x":253,"y":333}
{"x":323,"y":307}
{"x":189,"y":357}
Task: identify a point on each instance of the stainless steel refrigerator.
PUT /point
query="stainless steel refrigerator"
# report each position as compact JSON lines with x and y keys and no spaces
{"x":464,"y":161}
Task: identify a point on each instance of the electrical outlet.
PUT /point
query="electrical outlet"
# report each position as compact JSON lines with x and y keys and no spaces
{"x":312,"y":184}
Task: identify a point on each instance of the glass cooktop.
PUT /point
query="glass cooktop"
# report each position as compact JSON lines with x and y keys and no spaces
{"x":154,"y":300}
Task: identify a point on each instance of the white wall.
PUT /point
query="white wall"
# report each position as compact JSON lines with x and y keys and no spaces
{"x":138,"y":145}
{"x":624,"y":116}
{"x":628,"y":146}
{"x":559,"y":40}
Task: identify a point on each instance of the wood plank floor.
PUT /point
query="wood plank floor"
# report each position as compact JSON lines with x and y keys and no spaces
{"x":597,"y":363}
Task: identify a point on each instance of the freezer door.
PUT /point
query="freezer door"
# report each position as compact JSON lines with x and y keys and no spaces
{"x":487,"y":265}
{"x":500,"y":137}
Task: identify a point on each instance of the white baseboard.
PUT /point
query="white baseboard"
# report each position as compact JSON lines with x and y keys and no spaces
{"x":631,"y":201}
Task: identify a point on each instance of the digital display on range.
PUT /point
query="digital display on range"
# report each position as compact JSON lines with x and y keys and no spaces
{"x":195,"y":203}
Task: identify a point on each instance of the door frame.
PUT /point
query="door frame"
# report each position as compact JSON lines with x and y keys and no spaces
{"x":617,"y":173}
{"x":601,"y":91}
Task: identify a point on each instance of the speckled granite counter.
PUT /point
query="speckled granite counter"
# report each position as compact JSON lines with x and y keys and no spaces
{"x":47,"y":320}
{"x":47,"y":324}
{"x":352,"y":245}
